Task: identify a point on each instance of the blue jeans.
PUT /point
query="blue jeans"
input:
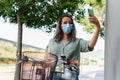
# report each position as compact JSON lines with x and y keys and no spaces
{"x":67,"y":75}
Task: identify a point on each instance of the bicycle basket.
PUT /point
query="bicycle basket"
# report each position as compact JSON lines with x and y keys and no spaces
{"x":40,"y":66}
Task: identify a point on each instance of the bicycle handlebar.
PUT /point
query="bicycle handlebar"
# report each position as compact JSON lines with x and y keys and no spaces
{"x":26,"y":58}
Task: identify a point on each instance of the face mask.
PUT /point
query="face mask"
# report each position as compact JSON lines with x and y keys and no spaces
{"x":67,"y":28}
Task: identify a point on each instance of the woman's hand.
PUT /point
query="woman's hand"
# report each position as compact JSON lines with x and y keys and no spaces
{"x":94,"y":21}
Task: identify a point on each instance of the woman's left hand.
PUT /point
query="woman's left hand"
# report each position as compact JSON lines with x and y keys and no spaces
{"x":94,"y":21}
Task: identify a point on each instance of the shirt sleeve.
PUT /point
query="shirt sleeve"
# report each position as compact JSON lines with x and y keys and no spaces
{"x":84,"y":46}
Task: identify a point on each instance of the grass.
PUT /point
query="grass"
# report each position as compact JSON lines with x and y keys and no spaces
{"x":7,"y":60}
{"x":8,"y":52}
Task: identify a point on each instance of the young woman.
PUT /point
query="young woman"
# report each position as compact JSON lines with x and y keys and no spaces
{"x":66,"y":44}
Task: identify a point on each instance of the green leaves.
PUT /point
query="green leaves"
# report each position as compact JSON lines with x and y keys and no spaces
{"x":36,"y":13}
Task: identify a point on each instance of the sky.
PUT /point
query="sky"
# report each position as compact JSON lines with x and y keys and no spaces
{"x":37,"y":37}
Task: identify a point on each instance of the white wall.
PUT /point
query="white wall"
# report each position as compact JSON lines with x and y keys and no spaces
{"x":112,"y":41}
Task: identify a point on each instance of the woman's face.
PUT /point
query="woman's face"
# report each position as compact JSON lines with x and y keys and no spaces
{"x":66,"y":25}
{"x":66,"y":20}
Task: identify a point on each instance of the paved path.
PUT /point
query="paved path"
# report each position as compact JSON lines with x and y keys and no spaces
{"x":7,"y":72}
{"x":91,"y":73}
{"x":86,"y":73}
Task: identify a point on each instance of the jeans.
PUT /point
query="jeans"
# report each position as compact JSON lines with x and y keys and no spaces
{"x":67,"y":75}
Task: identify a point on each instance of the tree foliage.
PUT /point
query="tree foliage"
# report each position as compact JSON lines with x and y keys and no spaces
{"x":36,"y":13}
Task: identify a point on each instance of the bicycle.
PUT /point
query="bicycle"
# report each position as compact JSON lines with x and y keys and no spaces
{"x":37,"y":68}
{"x":66,"y":69}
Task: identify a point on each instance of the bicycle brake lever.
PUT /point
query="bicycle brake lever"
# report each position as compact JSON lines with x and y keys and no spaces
{"x":25,"y":59}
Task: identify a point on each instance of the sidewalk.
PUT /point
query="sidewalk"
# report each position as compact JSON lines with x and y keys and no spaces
{"x":7,"y":72}
{"x":91,"y":73}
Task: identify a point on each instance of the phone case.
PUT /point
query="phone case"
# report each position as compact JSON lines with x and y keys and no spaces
{"x":90,"y":12}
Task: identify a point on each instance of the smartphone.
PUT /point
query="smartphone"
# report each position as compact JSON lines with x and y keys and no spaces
{"x":90,"y":12}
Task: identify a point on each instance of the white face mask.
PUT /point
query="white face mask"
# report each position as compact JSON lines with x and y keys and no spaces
{"x":67,"y":28}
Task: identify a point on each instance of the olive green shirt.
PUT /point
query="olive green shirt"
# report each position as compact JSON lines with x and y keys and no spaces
{"x":71,"y":49}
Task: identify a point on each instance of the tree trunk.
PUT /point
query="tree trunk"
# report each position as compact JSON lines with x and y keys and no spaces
{"x":19,"y":49}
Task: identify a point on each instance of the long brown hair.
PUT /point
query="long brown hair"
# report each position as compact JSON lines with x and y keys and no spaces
{"x":59,"y":33}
